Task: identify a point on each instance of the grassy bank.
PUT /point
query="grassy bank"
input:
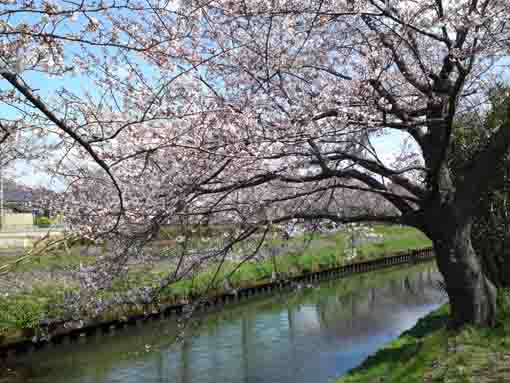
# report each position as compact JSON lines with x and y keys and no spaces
{"x":24,"y":309}
{"x":431,"y":353}
{"x":328,"y":251}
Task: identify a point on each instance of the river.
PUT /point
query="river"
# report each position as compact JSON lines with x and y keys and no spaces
{"x":309,"y":335}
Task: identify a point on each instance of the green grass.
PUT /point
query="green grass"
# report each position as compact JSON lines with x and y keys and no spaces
{"x":56,"y":258}
{"x":396,"y":239}
{"x":25,"y":310}
{"x":406,"y":358}
{"x":312,"y":258}
{"x":56,"y":261}
{"x":431,"y":353}
{"x":330,"y":253}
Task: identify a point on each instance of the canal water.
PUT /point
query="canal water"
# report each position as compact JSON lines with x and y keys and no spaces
{"x":308,"y":335}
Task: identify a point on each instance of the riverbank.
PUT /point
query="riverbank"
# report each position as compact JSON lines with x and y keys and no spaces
{"x":36,"y":289}
{"x":429,"y":352}
{"x":312,"y":334}
{"x":23,"y":339}
{"x":57,"y":268}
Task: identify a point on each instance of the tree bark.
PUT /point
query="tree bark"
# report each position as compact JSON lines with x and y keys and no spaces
{"x":472,"y":295}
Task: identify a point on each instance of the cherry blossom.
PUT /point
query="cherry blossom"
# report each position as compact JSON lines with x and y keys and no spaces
{"x":258,"y":112}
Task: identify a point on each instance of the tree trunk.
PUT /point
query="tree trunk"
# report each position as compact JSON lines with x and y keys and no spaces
{"x":472,"y":295}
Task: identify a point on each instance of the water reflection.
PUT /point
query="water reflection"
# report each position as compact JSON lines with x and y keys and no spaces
{"x":311,"y":335}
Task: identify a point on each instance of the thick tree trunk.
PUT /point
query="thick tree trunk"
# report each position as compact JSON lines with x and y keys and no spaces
{"x":472,"y":295}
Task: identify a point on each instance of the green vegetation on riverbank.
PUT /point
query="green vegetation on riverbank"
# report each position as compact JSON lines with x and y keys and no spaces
{"x":429,"y":352}
{"x":323,"y":251}
{"x":23,"y":309}
{"x":326,"y":253}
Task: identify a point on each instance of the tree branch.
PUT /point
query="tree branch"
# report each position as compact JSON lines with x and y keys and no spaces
{"x":383,"y":171}
{"x":37,"y":103}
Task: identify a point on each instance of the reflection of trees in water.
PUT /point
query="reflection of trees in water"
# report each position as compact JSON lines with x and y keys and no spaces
{"x":346,"y":308}
{"x":373,"y":298}
{"x":409,"y":288}
{"x":430,"y":276}
{"x":353,"y":313}
{"x":185,"y":362}
{"x":323,"y":312}
{"x":326,"y":311}
{"x":290,"y":320}
{"x":161,"y":366}
{"x":247,"y":343}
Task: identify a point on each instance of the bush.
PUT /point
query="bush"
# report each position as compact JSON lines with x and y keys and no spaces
{"x":43,"y":221}
{"x":491,"y":226}
{"x":20,"y":313}
{"x":504,"y":303}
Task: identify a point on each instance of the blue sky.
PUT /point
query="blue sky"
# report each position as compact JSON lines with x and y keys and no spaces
{"x":23,"y":171}
{"x":31,"y":174}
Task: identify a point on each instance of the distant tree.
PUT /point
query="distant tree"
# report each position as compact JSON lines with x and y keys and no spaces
{"x":491,"y":225}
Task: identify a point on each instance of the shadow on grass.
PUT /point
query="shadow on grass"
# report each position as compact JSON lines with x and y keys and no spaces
{"x":425,"y":326}
{"x":408,"y":350}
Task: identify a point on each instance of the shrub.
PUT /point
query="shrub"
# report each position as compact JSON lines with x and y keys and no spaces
{"x":20,"y":313}
{"x":43,"y":221}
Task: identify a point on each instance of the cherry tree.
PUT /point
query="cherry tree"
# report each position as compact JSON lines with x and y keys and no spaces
{"x":307,"y":86}
{"x":260,"y":112}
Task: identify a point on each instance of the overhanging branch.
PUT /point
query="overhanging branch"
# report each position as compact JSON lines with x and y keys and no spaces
{"x":38,"y":104}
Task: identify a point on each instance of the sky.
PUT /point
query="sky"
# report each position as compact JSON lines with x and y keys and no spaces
{"x":29,"y":174}
{"x":32,"y":174}
{"x":22,"y":171}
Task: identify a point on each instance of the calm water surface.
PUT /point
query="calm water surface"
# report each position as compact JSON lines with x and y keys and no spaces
{"x":311,"y":335}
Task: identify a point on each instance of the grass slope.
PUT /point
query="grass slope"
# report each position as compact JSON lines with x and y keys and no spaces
{"x":430,"y":353}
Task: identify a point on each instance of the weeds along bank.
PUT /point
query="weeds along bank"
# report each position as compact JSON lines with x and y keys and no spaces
{"x":22,"y":340}
{"x":47,"y":280}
